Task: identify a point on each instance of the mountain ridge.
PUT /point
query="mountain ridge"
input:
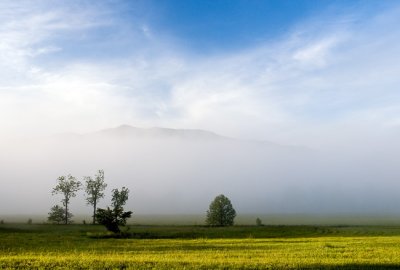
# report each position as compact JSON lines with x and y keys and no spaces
{"x":154,"y":132}
{"x":128,"y":132}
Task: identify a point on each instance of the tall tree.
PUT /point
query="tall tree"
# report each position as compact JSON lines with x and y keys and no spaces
{"x":220,"y":212}
{"x":95,"y":190}
{"x":67,"y":186}
{"x":115,"y":217}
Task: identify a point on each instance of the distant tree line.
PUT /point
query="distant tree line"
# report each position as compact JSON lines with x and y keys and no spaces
{"x":94,"y":189}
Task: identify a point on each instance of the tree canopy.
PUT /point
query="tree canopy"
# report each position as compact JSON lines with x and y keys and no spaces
{"x":220,"y":212}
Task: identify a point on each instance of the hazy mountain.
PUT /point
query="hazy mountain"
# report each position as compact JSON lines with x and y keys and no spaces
{"x":126,"y":131}
{"x":178,"y":171}
{"x":131,"y":133}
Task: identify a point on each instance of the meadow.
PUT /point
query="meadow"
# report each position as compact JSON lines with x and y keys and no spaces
{"x":24,"y":246}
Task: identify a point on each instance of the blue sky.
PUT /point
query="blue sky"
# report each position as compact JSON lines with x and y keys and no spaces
{"x":206,"y":26}
{"x":202,"y":27}
{"x":294,"y":72}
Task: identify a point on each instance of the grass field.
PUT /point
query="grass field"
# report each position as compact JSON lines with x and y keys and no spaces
{"x":195,"y":247}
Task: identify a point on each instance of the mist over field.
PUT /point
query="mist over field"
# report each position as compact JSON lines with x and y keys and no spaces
{"x":180,"y":171}
{"x":282,"y":112}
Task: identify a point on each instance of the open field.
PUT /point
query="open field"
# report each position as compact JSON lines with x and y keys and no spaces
{"x":195,"y":247}
{"x":241,"y":219}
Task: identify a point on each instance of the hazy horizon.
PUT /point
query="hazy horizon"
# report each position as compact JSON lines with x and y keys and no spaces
{"x":179,"y":172}
{"x":307,"y":91}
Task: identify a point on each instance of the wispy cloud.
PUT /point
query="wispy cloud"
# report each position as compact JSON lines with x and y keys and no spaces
{"x":312,"y":87}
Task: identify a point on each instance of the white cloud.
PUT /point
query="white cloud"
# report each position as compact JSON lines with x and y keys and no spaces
{"x":301,"y":90}
{"x":316,"y":54}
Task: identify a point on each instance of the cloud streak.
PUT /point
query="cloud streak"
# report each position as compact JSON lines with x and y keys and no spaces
{"x":296,"y":90}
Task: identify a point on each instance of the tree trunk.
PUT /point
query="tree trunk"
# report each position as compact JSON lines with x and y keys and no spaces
{"x":66,"y":213}
{"x":94,"y":213}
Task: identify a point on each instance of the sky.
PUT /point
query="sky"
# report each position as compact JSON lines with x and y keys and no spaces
{"x":323,"y":75}
{"x":292,"y":72}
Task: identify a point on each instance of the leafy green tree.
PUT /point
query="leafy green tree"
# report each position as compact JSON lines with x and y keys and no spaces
{"x":119,"y":198}
{"x":56,"y":214}
{"x":115,"y":217}
{"x":220,"y":212}
{"x":67,"y":186}
{"x":95,"y":190}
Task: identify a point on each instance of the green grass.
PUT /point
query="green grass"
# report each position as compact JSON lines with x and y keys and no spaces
{"x":241,"y":219}
{"x":195,"y":247}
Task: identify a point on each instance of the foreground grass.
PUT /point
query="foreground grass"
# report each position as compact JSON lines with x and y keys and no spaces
{"x":270,"y":247}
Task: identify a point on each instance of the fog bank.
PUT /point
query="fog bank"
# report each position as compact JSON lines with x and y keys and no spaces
{"x":179,"y":172}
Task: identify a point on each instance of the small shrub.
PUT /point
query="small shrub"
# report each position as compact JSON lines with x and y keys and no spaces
{"x":259,"y":222}
{"x":57,"y":215}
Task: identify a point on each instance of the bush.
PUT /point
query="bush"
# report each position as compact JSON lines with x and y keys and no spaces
{"x":57,"y":215}
{"x":259,"y":222}
{"x":113,"y":218}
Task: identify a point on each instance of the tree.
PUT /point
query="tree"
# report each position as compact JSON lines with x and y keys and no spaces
{"x":115,"y":217}
{"x":259,"y":222}
{"x":220,"y":212}
{"x":67,"y":186}
{"x":95,"y":190}
{"x":119,"y":198}
{"x":56,"y":214}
